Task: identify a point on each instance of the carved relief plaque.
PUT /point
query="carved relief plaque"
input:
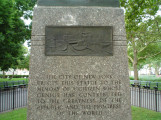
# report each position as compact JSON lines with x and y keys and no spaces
{"x":78,"y":41}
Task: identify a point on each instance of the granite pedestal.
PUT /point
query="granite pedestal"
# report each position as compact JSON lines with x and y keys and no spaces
{"x":79,"y":87}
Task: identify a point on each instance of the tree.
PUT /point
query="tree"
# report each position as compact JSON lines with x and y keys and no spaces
{"x":24,"y":64}
{"x":13,"y":31}
{"x":21,"y":57}
{"x":155,"y":62}
{"x":143,"y":30}
{"x":157,"y":66}
{"x":6,"y":24}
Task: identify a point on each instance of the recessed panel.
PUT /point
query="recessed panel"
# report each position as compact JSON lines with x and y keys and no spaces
{"x":78,"y":41}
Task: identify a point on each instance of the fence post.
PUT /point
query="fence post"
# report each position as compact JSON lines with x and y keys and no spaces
{"x":139,"y":96}
{"x":156,"y":99}
{"x":13,"y":99}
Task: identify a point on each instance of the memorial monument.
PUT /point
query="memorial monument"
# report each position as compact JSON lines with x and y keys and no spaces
{"x":78,"y":65}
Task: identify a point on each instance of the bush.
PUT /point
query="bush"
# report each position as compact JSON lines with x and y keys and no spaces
{"x":131,"y":78}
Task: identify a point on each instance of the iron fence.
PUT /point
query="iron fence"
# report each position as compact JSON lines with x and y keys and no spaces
{"x":146,"y":98}
{"x":12,"y":96}
{"x":146,"y":84}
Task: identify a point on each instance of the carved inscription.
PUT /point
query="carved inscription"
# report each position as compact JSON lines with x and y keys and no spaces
{"x":79,"y":94}
{"x":78,"y":41}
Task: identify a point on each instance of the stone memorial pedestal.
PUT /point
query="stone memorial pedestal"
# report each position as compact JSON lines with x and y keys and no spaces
{"x":78,"y":65}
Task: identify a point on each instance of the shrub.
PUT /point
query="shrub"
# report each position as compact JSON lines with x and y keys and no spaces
{"x":131,"y":78}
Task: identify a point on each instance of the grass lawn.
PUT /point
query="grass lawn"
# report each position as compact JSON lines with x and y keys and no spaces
{"x":13,"y":79}
{"x":137,"y":114}
{"x":151,"y":78}
{"x":144,"y":114}
{"x":19,"y":114}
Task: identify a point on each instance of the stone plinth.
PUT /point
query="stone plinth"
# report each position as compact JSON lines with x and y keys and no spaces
{"x":79,"y":87}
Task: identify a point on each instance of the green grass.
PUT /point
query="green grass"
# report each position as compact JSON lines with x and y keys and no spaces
{"x":144,"y":114}
{"x":19,"y":114}
{"x":151,"y":78}
{"x":137,"y":114}
{"x":13,"y":79}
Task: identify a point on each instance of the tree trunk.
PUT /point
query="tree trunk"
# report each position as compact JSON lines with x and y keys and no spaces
{"x":150,"y":71}
{"x":129,"y":72}
{"x":156,"y":71}
{"x":3,"y":74}
{"x":13,"y":74}
{"x":135,"y":72}
{"x":135,"y":65}
{"x":135,"y":60}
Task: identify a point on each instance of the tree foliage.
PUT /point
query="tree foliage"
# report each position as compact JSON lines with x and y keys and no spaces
{"x":143,"y":30}
{"x":24,"y":63}
{"x":13,"y":31}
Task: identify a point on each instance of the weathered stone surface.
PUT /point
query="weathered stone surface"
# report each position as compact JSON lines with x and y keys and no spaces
{"x":107,"y":3}
{"x":78,"y":87}
{"x":78,"y":16}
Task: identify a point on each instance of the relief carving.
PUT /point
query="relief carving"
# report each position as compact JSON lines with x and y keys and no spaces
{"x":78,"y":41}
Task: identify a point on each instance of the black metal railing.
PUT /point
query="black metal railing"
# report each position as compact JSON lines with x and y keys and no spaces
{"x":6,"y":85}
{"x":142,"y":96}
{"x":146,"y":84}
{"x":12,"y":95}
